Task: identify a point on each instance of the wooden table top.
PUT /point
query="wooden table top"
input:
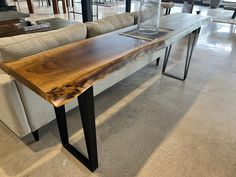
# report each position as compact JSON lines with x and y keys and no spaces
{"x":63,"y":73}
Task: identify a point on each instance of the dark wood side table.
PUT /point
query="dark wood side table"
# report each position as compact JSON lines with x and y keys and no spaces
{"x":11,"y":29}
{"x":69,"y":72}
{"x":30,"y":6}
{"x":11,"y":16}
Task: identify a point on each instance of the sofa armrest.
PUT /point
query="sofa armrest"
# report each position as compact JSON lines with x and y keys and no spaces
{"x":12,"y":112}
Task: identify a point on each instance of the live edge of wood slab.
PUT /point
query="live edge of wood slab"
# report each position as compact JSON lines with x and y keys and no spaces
{"x":63,"y":73}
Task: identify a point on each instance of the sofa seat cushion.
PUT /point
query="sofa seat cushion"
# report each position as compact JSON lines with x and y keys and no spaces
{"x":16,"y":47}
{"x":109,"y":24}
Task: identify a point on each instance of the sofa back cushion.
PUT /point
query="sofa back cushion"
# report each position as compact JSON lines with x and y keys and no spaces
{"x":135,"y":16}
{"x":109,"y":24}
{"x":16,"y":47}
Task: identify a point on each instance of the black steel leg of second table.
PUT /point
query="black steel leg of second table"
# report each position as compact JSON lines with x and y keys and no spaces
{"x":191,"y":42}
{"x":86,"y":104}
{"x":157,"y":61}
{"x":234,"y":15}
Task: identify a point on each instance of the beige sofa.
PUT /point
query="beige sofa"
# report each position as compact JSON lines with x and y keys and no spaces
{"x":23,"y":111}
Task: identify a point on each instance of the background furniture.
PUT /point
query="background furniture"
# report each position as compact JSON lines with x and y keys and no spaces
{"x":167,"y":5}
{"x":5,"y":7}
{"x":11,"y":17}
{"x":16,"y":2}
{"x":74,"y":12}
{"x":197,"y":2}
{"x":30,"y":6}
{"x":11,"y":29}
{"x":54,"y":6}
{"x":188,"y":6}
{"x":41,"y":2}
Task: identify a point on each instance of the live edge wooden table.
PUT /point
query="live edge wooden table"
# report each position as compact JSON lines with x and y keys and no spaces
{"x":68,"y":72}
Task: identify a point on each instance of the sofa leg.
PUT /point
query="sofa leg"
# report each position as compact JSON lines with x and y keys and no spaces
{"x":36,"y":135}
{"x":157,"y":61}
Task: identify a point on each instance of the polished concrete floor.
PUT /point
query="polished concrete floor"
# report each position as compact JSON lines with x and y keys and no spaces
{"x":149,"y":125}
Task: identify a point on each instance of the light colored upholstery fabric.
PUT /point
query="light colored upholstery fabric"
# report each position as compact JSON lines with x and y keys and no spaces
{"x":135,"y":16}
{"x":12,"y":111}
{"x":109,"y":24}
{"x":167,"y":5}
{"x":99,"y":27}
{"x":121,"y":20}
{"x":28,"y":44}
{"x":38,"y":110}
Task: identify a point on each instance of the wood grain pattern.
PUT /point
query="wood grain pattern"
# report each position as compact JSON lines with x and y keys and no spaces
{"x":61,"y":74}
{"x":7,"y":22}
{"x":13,"y":30}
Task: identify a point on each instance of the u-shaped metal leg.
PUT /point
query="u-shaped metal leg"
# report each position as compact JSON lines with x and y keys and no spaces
{"x":86,"y":103}
{"x":191,"y":42}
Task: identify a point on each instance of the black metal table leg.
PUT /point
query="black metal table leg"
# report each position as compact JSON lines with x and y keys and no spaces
{"x":234,"y":14}
{"x":191,"y":43}
{"x":36,"y":135}
{"x":157,"y":61}
{"x":166,"y":11}
{"x":86,"y":103}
